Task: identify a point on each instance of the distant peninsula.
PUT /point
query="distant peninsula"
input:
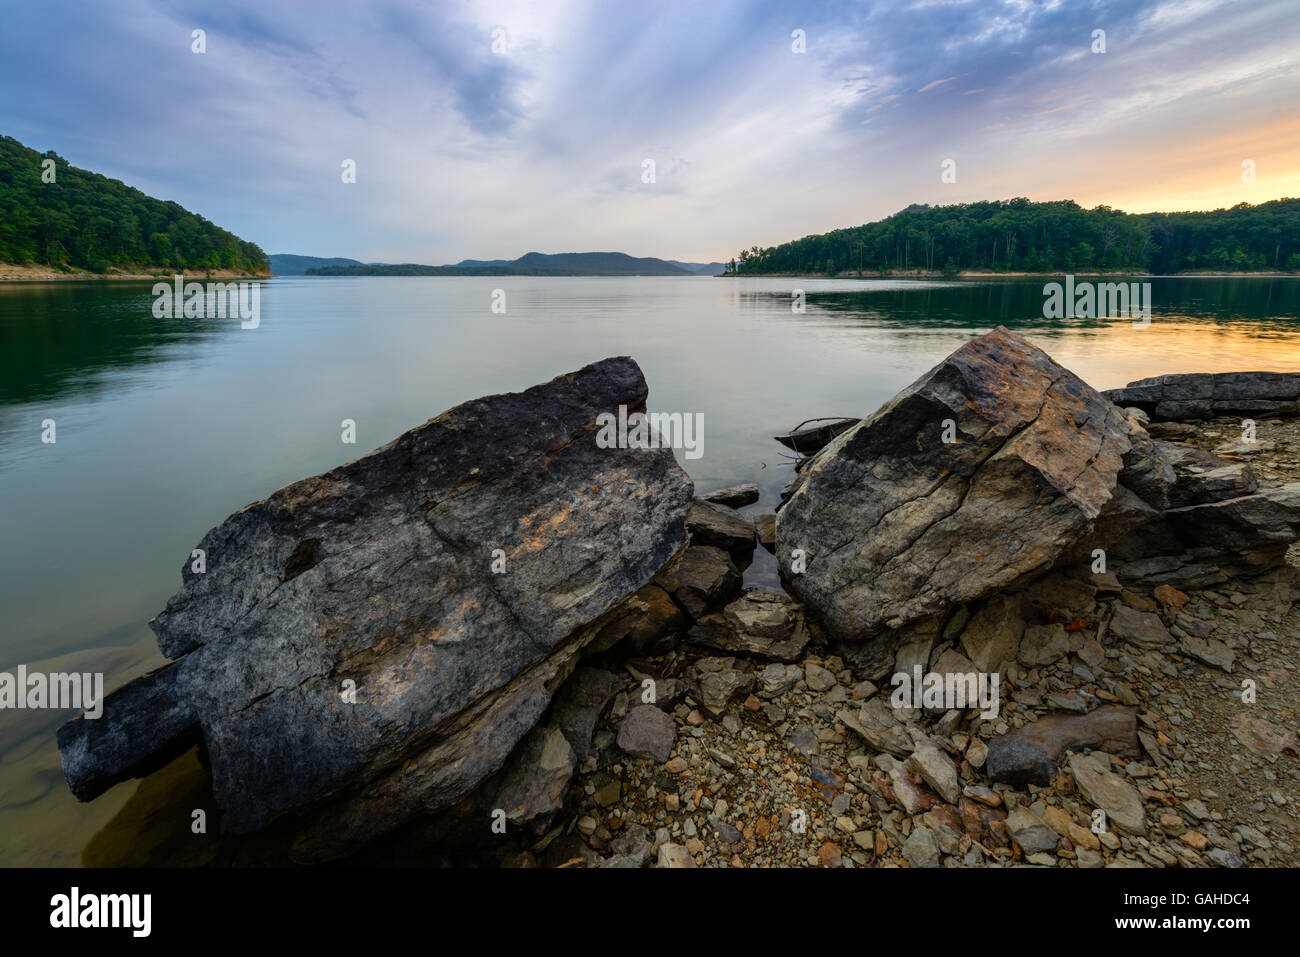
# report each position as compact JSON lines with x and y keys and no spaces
{"x":58,"y":221}
{"x":530,"y":264}
{"x":1021,"y":237}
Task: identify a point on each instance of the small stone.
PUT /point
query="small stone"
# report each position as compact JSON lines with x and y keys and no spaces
{"x":921,"y":848}
{"x":647,"y":733}
{"x":727,"y":832}
{"x":675,"y":855}
{"x":829,"y":855}
{"x":609,"y":794}
{"x":818,"y":678}
{"x":1030,"y":833}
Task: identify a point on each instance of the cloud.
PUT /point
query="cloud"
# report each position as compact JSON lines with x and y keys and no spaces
{"x":465,"y":151}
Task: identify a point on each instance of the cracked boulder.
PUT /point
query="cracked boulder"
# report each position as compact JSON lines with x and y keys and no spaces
{"x":369,"y":644}
{"x":992,"y":468}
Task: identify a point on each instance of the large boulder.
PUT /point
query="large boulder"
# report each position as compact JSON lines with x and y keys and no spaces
{"x":370,"y":644}
{"x":992,"y":468}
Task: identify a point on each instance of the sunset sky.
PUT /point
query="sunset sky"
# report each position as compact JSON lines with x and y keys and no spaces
{"x":463,"y":152}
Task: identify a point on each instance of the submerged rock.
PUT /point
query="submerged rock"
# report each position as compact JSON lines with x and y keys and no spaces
{"x":369,"y":644}
{"x":734,"y":496}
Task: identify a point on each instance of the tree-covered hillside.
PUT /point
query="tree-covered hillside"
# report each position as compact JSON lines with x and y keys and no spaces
{"x":83,"y":220}
{"x":1016,"y":235}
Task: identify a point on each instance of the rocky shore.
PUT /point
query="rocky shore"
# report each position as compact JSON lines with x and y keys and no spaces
{"x":494,"y":643}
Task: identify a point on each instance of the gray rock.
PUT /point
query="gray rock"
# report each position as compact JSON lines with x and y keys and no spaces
{"x":701,"y":579}
{"x":899,"y":526}
{"x":537,"y":775}
{"x":804,"y":741}
{"x":632,"y":848}
{"x":922,"y":849}
{"x":647,"y":732}
{"x":1030,"y":833}
{"x":817,"y":677}
{"x":1043,"y":645}
{"x":1106,"y":790}
{"x":776,"y":679}
{"x":936,"y":769}
{"x":1141,"y":628}
{"x":715,"y":688}
{"x":877,"y":724}
{"x":674,"y":855}
{"x":761,"y":623}
{"x":1209,"y":650}
{"x":734,"y":496}
{"x":993,"y":634}
{"x":765,"y":529}
{"x":578,"y":706}
{"x":379,"y":573}
{"x":1200,"y":395}
{"x":721,"y":527}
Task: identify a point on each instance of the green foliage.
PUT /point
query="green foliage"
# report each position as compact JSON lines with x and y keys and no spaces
{"x":84,"y":220}
{"x":1016,"y":235}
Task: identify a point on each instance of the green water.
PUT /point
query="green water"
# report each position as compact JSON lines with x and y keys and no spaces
{"x":166,"y":426}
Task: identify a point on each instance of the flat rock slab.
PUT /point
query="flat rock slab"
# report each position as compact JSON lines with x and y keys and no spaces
{"x":1032,"y":753}
{"x":876,"y":723}
{"x":991,"y":468}
{"x":1263,"y":737}
{"x":734,"y":496}
{"x":352,"y":652}
{"x":1143,"y":629}
{"x":1105,"y":789}
{"x":1203,"y":395}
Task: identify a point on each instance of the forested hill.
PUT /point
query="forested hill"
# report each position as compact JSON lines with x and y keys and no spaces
{"x":1017,"y":235}
{"x":83,"y":220}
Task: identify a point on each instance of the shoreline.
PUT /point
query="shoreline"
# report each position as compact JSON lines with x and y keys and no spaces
{"x":974,"y":274}
{"x":11,"y":272}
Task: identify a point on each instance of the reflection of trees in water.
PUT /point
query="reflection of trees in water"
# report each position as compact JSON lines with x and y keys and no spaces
{"x":57,"y":339}
{"x":1274,"y":302}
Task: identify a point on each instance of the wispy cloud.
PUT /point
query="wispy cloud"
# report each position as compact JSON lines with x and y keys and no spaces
{"x":498,"y":127}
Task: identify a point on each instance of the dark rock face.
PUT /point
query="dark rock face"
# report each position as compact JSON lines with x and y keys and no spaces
{"x":899,"y":525}
{"x":1202,"y":395}
{"x":724,"y":528}
{"x":700,"y":579}
{"x":377,"y":577}
{"x":1031,"y":754}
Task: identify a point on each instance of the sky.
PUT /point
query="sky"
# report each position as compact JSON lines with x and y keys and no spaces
{"x":487,"y":130}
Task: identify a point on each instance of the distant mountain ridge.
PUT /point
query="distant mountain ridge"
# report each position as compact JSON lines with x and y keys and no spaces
{"x":529,"y":264}
{"x":288,"y":264}
{"x":702,"y":269}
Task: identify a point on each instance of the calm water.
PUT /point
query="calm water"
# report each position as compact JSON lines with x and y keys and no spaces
{"x":164,"y":427}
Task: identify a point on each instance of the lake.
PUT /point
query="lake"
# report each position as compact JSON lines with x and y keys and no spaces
{"x":166,"y":426}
